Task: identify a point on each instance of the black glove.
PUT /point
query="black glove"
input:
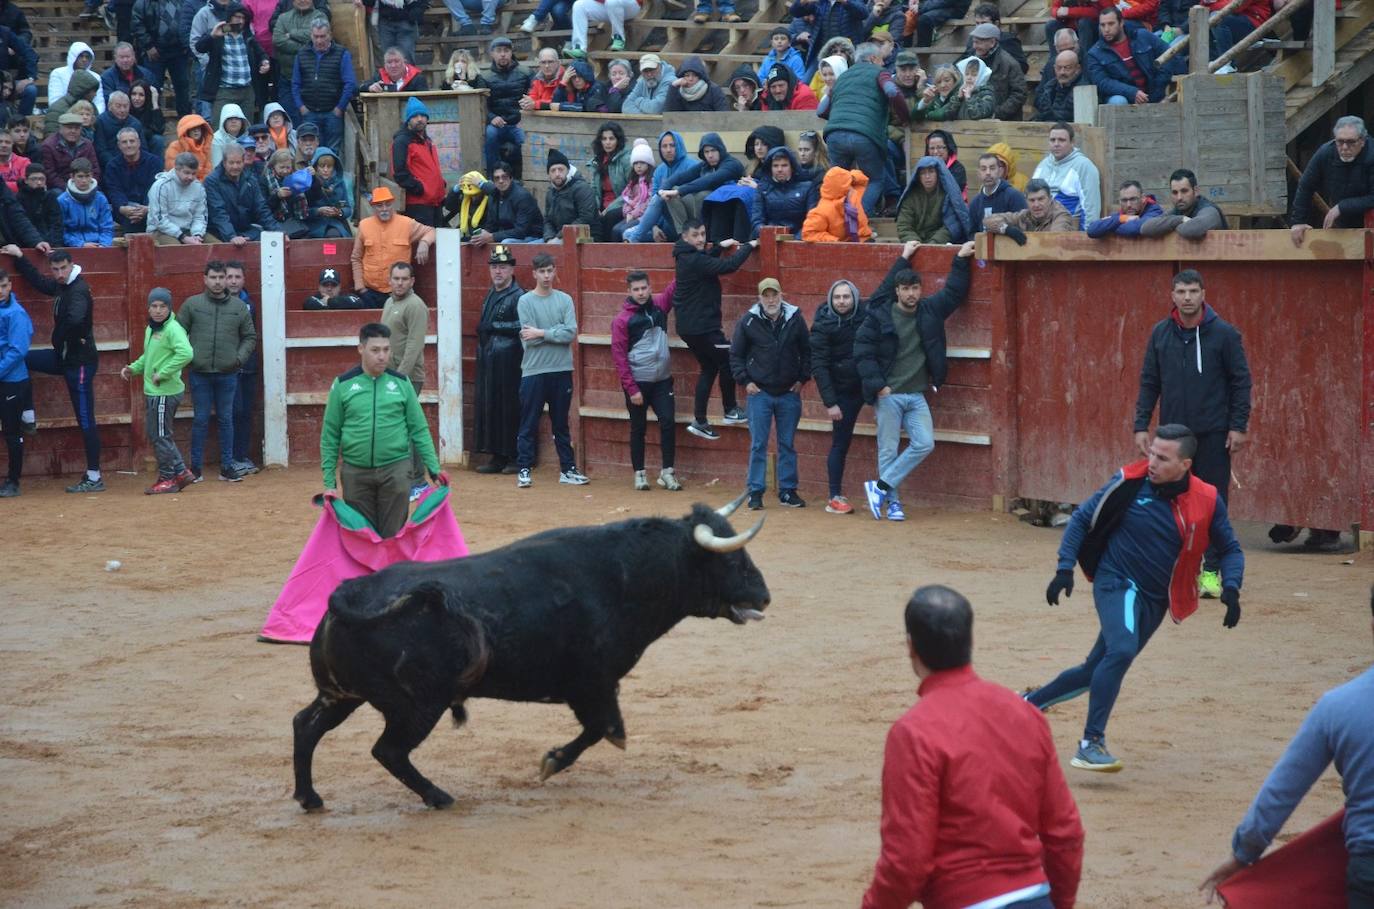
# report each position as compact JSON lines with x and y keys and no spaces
{"x":1062,"y":583}
{"x":1230,"y":598}
{"x":1016,"y":234}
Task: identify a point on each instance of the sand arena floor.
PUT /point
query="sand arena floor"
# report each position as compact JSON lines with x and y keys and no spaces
{"x":145,"y":737}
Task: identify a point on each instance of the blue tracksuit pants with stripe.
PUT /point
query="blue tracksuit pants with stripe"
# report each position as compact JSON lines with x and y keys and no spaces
{"x":1128,"y":619}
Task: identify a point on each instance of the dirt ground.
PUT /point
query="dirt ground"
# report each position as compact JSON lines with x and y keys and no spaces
{"x":145,"y":736}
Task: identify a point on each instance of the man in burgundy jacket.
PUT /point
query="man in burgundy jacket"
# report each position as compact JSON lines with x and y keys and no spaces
{"x":975,"y":807}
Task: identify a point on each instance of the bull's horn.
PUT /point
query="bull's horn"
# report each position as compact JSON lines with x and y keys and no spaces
{"x":706,"y":538}
{"x":728,"y":509}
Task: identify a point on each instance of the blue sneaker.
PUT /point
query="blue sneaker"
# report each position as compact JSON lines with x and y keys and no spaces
{"x":1092,"y":755}
{"x":877,"y":499}
{"x":418,"y":490}
{"x":894,"y":512}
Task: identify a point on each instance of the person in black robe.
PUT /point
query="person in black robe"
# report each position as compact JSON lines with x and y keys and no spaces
{"x":497,"y":412}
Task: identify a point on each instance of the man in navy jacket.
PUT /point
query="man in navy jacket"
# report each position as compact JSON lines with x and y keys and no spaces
{"x":1122,"y":63}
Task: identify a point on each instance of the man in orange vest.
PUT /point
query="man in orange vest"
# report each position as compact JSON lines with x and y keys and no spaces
{"x":383,"y":240}
{"x":1140,"y":540}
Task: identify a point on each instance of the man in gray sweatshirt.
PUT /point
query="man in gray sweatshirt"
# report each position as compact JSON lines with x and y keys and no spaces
{"x":548,"y":328}
{"x":1337,"y":728}
{"x":176,"y":205}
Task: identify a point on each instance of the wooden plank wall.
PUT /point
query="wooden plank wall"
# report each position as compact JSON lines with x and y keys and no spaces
{"x":1227,"y":129}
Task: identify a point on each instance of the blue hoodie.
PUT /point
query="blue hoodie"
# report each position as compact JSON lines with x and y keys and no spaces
{"x":699,"y":177}
{"x":16,"y":333}
{"x":792,"y":60}
{"x":953,"y":212}
{"x":665,"y":170}
{"x":1112,"y":224}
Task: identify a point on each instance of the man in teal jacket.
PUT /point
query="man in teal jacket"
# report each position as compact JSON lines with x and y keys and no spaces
{"x":371,"y":420}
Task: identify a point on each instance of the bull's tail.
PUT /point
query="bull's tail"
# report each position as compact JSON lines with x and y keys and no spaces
{"x":463,"y":631}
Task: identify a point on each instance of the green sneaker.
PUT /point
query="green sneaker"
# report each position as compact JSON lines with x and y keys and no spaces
{"x":1209,"y":584}
{"x":618,"y":43}
{"x":573,"y":52}
{"x":1092,"y":755}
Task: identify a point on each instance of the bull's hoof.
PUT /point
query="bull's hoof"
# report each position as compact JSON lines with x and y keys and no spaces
{"x":550,"y":765}
{"x":617,"y":741}
{"x":310,"y":801}
{"x":438,"y":798}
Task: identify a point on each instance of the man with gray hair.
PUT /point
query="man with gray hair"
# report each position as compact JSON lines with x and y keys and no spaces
{"x":237,"y":210}
{"x":124,"y":72}
{"x":129,"y":177}
{"x":1007,"y":81}
{"x":322,"y":83}
{"x":1342,"y":171}
{"x":857,"y":110}
{"x":176,"y":205}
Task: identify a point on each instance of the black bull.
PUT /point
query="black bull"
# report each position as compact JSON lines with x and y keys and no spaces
{"x":559,"y":617}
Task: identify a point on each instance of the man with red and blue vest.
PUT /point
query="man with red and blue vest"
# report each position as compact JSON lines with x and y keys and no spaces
{"x":1140,"y":540}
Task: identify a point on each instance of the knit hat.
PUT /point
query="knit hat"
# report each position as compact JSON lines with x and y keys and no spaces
{"x":413,"y":106}
{"x":780,"y":30}
{"x":82,"y":82}
{"x":499,"y":41}
{"x":556,"y":157}
{"x":779,"y":73}
{"x":159,"y":295}
{"x":641,"y":153}
{"x":987,"y":30}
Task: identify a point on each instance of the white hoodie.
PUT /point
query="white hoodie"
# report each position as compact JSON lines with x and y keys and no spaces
{"x":1076,"y":183}
{"x":59,"y":78}
{"x":222,"y":139}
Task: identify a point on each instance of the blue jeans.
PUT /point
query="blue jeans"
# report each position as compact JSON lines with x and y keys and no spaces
{"x":765,"y":410}
{"x":896,"y":160}
{"x":27,"y":98}
{"x":213,"y":390}
{"x":656,"y":213}
{"x":724,"y":7}
{"x":390,"y":33}
{"x":460,"y":9}
{"x":491,"y":148}
{"x":245,"y":403}
{"x":81,"y":390}
{"x":556,"y":390}
{"x":561,"y":10}
{"x":896,"y":413}
{"x":851,"y":150}
{"x":178,"y":68}
{"x":1127,"y":621}
{"x":331,"y":127}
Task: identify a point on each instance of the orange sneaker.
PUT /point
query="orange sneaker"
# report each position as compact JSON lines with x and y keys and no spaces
{"x":163,"y":486}
{"x":839,"y":505}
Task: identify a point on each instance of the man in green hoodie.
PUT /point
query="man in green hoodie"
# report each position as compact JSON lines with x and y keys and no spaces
{"x":223,"y":337}
{"x":166,"y":350}
{"x":372,"y":419}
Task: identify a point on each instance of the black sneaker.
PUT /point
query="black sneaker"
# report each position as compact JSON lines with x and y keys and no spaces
{"x":9,"y":489}
{"x":790,"y":499}
{"x":231,"y":474}
{"x":736,"y":416}
{"x":28,"y":427}
{"x":484,"y":28}
{"x":703,"y":430}
{"x":495,"y":465}
{"x":87,"y":485}
{"x":466,"y":31}
{"x":756,"y":501}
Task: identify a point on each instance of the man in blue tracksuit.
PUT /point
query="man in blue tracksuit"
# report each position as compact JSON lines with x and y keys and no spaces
{"x":16,"y":332}
{"x":1336,"y":729}
{"x":1140,"y":540}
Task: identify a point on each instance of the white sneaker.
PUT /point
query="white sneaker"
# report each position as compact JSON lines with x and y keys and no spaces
{"x":642,"y":480}
{"x":668,"y":480}
{"x":573,"y":477}
{"x":523,"y":480}
{"x":529,"y":25}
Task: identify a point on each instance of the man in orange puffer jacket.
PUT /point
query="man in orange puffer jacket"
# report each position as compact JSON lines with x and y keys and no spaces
{"x":839,"y":216}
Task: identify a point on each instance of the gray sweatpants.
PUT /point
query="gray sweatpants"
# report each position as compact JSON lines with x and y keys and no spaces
{"x":161,"y":409}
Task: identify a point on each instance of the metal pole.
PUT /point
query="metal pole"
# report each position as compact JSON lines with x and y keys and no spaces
{"x":276,"y":446}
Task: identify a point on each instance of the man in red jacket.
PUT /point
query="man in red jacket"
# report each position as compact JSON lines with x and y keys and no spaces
{"x":975,"y":807}
{"x":415,"y":166}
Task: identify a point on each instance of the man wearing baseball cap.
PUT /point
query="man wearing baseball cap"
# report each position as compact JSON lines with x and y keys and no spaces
{"x":506,"y":82}
{"x":651,"y":88}
{"x":771,"y":357}
{"x":329,"y":296}
{"x":381,"y":238}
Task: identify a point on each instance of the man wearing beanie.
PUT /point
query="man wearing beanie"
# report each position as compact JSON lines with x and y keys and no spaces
{"x":569,"y":200}
{"x":166,"y":351}
{"x":415,"y":165}
{"x":771,"y":357}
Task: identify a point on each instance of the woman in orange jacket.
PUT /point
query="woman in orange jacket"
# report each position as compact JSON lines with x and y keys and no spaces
{"x":839,"y":216}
